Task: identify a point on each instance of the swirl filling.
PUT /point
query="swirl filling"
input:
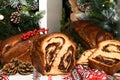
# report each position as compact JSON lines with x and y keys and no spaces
{"x":52,"y":49}
{"x":67,"y":60}
{"x":107,"y":60}
{"x":111,"y":48}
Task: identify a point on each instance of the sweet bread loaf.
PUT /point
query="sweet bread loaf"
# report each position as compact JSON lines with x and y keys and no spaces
{"x":15,"y":47}
{"x":83,"y":59}
{"x":54,"y":54}
{"x":90,"y":34}
{"x":106,"y":57}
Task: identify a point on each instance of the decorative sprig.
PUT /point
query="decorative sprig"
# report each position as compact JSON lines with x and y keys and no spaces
{"x":102,"y":12}
{"x":29,"y":34}
{"x":29,"y":17}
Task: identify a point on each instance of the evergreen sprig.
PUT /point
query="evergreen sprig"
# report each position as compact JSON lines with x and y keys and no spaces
{"x":28,"y":17}
{"x":102,"y":12}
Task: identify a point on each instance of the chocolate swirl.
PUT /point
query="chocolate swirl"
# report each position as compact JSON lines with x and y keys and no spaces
{"x":67,"y":60}
{"x":106,"y":60}
{"x":51,"y":51}
{"x":111,"y":48}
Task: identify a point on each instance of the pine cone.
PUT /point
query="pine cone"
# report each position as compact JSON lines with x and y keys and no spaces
{"x":15,"y":17}
{"x":9,"y":69}
{"x":25,"y":68}
{"x":16,"y":61}
{"x":16,"y":65}
{"x":35,"y":6}
{"x":19,"y":7}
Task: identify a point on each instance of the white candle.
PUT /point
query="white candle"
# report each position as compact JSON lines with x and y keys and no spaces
{"x":43,"y":7}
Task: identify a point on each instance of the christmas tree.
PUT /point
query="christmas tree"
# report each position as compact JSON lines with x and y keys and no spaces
{"x":18,"y":16}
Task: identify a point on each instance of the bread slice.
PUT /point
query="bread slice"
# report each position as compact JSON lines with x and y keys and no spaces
{"x":106,"y":57}
{"x":54,"y":54}
{"x":83,"y":60}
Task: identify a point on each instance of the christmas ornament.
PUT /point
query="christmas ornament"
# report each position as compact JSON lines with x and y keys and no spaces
{"x":1,"y":17}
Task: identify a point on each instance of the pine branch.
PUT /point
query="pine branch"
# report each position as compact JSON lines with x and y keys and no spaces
{"x":27,"y":21}
{"x":96,"y":4}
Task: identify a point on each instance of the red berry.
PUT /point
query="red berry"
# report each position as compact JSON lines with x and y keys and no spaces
{"x":32,"y":34}
{"x":28,"y":33}
{"x":35,"y":30}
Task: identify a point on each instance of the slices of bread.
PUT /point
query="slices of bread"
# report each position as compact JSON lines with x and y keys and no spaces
{"x":83,"y":59}
{"x":54,"y":54}
{"x":106,"y":57}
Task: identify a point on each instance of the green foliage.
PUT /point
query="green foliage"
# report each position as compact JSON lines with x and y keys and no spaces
{"x":98,"y":6}
{"x":65,"y":22}
{"x":102,"y":12}
{"x":28,"y":17}
{"x":6,"y":28}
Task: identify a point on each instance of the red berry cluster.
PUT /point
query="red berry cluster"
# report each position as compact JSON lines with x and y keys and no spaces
{"x":43,"y":30}
{"x":29,"y":34}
